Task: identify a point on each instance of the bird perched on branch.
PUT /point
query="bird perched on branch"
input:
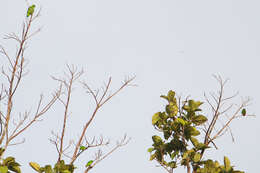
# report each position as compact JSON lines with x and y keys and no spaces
{"x":243,"y":112}
{"x":30,"y":10}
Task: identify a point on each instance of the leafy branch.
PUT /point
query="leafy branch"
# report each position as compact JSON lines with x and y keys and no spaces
{"x":181,"y":124}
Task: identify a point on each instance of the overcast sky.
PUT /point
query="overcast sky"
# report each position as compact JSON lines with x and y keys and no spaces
{"x":167,"y":44}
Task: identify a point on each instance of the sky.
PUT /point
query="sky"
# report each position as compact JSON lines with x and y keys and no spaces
{"x":166,"y":44}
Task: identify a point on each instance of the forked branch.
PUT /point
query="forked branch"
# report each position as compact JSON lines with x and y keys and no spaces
{"x":72,"y":75}
{"x":100,"y":156}
{"x":14,"y":73}
{"x":100,"y":101}
{"x":217,"y":104}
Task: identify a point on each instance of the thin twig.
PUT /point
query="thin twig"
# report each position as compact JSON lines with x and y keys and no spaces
{"x":99,"y":103}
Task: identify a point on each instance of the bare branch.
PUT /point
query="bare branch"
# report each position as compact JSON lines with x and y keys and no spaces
{"x":73,"y":75}
{"x":236,"y":114}
{"x":94,"y":94}
{"x":39,"y":112}
{"x":3,"y":51}
{"x":94,"y":143}
{"x":216,"y":111}
{"x":221,"y":109}
{"x":15,"y":64}
{"x":100,"y":156}
{"x":17,"y":143}
{"x":100,"y":102}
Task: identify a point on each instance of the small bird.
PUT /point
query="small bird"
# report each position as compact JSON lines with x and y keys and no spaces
{"x":243,"y":112}
{"x":30,"y":10}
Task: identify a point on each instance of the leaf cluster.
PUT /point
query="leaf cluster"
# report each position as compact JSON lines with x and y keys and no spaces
{"x":211,"y":166}
{"x":9,"y":165}
{"x":180,"y":127}
{"x":59,"y":167}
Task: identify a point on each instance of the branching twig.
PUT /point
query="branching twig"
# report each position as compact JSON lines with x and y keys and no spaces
{"x":99,"y":156}
{"x":218,"y":109}
{"x":100,"y":101}
{"x":72,"y":75}
{"x":14,"y":74}
{"x":38,"y":114}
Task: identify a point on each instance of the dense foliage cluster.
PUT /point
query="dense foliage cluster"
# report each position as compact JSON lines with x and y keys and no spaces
{"x":180,"y":128}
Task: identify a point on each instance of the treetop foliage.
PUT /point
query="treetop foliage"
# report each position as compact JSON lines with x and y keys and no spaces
{"x":181,"y":125}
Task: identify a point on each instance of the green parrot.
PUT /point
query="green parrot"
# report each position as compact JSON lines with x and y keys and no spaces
{"x":243,"y":112}
{"x":30,"y":10}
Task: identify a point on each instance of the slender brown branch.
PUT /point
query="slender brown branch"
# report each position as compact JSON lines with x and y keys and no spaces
{"x":216,"y":112}
{"x":73,"y":75}
{"x":100,"y":102}
{"x":99,"y":156}
{"x":229,"y":121}
{"x":37,"y":115}
{"x":65,"y":117}
{"x":13,"y":85}
{"x":221,"y":109}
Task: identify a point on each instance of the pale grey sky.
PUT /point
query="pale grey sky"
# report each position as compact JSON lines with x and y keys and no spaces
{"x":167,"y":44}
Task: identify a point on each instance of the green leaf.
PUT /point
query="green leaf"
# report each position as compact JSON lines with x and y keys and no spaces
{"x":2,"y":150}
{"x":156,"y":118}
{"x":14,"y":164}
{"x":196,"y":157}
{"x":227,"y":163}
{"x":185,"y":155}
{"x":3,"y":169}
{"x":157,"y":139}
{"x":150,"y":150}
{"x":194,"y":105}
{"x":181,"y":121}
{"x":186,"y":107}
{"x":65,"y":171}
{"x":202,"y":146}
{"x":82,"y":147}
{"x":172,"y":164}
{"x":190,"y":131}
{"x":35,"y":166}
{"x":158,"y":156}
{"x":198,"y":120}
{"x":15,"y":169}
{"x":172,"y":109}
{"x":61,"y":167}
{"x":194,"y":132}
{"x":8,"y":160}
{"x":152,"y":156}
{"x":89,"y":163}
{"x":194,"y":141}
{"x":174,"y":154}
{"x":30,"y":10}
{"x":48,"y":169}
{"x":171,"y":96}
{"x":243,"y":112}
{"x":167,"y":133}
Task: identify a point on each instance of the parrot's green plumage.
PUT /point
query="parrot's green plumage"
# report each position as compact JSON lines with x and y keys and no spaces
{"x":30,"y":10}
{"x":243,"y":112}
